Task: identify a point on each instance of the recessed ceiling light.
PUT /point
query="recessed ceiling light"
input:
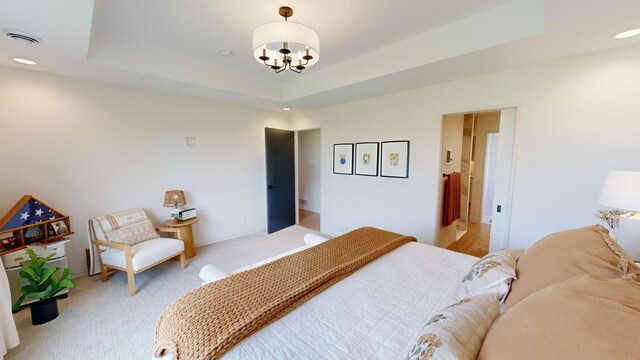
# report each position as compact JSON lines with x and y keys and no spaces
{"x":25,"y":61}
{"x":628,"y":33}
{"x":286,"y":108}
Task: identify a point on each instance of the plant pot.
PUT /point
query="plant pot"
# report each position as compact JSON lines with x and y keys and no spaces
{"x":44,"y":311}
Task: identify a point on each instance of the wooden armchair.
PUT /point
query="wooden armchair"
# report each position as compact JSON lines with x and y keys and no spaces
{"x":127,"y":242}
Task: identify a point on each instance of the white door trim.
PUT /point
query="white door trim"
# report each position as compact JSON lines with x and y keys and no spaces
{"x":505,"y":173}
{"x":490,"y":154}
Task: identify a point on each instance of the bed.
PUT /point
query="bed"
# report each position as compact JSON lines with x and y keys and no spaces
{"x":380,"y":310}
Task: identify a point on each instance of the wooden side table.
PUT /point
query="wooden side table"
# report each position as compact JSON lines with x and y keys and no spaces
{"x":186,"y":233}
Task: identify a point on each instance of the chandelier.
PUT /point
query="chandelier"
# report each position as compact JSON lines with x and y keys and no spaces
{"x":285,"y":45}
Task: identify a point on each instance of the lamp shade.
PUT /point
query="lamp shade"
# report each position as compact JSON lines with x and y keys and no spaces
{"x":174,"y":198}
{"x":300,"y":38}
{"x":621,"y":190}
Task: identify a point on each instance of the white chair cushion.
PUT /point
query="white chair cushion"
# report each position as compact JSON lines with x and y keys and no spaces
{"x":144,"y":253}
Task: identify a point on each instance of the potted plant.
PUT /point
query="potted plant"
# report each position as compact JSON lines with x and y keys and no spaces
{"x":42,"y":287}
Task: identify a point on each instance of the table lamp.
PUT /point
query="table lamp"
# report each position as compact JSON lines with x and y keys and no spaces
{"x":621,"y":190}
{"x":174,"y":198}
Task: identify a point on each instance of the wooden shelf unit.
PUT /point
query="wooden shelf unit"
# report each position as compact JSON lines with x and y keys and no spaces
{"x":45,"y":230}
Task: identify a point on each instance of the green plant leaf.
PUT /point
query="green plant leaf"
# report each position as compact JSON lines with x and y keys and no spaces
{"x":49,"y":257}
{"x":32,"y":274}
{"x":18,"y":303}
{"x":48,"y":272}
{"x":54,"y":284}
{"x":29,"y":279}
{"x":28,"y":289}
{"x":66,"y":284}
{"x":32,"y":255}
{"x":40,"y":295}
{"x":66,"y":274}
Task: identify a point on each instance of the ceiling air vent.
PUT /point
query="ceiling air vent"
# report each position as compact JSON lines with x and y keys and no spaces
{"x":21,"y":37}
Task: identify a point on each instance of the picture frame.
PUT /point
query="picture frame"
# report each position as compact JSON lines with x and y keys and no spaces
{"x":394,"y":159}
{"x":9,"y":240}
{"x":343,"y":159}
{"x":34,"y":234}
{"x":366,"y":158}
{"x":58,"y":228}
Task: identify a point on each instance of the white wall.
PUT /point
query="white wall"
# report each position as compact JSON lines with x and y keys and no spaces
{"x":309,"y":169}
{"x":577,"y":119}
{"x":88,"y":148}
{"x":485,"y":123}
{"x":452,"y":130}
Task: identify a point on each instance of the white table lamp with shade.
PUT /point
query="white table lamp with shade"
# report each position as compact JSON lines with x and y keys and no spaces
{"x":621,"y":190}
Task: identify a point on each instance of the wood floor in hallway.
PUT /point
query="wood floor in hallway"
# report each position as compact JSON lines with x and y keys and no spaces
{"x":475,"y":242}
{"x":309,"y":219}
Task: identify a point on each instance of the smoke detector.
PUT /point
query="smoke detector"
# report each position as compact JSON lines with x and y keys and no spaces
{"x":21,"y":37}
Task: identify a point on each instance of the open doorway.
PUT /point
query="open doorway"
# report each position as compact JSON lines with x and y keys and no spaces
{"x":309,"y":189}
{"x":471,"y":147}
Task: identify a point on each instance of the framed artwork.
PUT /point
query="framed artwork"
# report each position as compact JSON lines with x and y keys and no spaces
{"x":343,"y":159}
{"x":394,"y":159}
{"x":367,"y":158}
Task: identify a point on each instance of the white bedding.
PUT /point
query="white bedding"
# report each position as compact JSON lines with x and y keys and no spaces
{"x":376,"y":313}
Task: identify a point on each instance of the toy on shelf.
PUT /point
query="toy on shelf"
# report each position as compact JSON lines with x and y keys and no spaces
{"x":31,"y":221}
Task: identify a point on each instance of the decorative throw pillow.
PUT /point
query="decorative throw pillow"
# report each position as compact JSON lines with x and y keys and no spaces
{"x":458,"y":331}
{"x":491,"y":274}
{"x":133,"y":234}
{"x":563,"y":255}
{"x":585,"y":317}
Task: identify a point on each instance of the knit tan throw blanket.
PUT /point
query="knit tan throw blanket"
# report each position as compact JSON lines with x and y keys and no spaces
{"x":207,"y":322}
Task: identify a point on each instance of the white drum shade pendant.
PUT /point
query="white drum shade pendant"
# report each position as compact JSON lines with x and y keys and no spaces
{"x":285,"y":45}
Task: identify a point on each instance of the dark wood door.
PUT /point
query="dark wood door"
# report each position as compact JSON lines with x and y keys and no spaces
{"x":281,"y":191}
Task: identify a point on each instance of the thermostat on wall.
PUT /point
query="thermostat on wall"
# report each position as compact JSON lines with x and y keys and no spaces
{"x":187,"y":214}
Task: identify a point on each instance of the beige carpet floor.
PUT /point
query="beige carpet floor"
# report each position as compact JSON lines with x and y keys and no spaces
{"x":101,"y":321}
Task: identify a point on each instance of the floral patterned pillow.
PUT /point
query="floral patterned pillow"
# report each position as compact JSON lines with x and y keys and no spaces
{"x":457,"y":332}
{"x":491,"y":274}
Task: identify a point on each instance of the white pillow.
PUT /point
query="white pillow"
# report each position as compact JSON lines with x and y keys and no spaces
{"x":458,"y":331}
{"x":209,"y":273}
{"x":491,"y":274}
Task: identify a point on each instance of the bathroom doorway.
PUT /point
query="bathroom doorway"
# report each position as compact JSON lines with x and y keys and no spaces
{"x":471,"y":146}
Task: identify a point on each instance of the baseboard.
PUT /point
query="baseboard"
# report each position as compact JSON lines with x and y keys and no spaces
{"x":303,"y":207}
{"x":231,"y":237}
{"x":447,"y":244}
{"x":79,"y":274}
